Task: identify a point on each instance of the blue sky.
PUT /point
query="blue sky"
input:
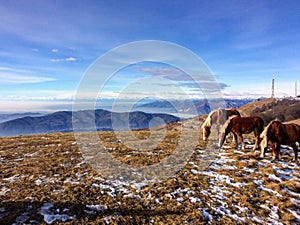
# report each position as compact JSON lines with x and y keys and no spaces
{"x":47,"y":46}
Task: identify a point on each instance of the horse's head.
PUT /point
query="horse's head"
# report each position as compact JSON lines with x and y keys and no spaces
{"x":269,"y":130}
{"x":206,"y":132}
{"x":222,"y":137}
{"x":224,"y":131}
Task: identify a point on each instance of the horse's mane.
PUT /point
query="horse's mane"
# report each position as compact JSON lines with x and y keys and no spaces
{"x":265,"y":131}
{"x":207,"y":122}
{"x":226,"y":124}
{"x":221,"y":114}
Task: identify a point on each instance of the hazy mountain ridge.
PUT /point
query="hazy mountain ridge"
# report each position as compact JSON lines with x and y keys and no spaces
{"x":11,"y":116}
{"x":62,"y":122}
{"x":201,"y":106}
{"x":268,"y":109}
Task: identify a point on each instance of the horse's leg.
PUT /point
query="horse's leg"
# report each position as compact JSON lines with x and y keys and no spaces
{"x":263,"y":149}
{"x":234,"y":138}
{"x":236,"y":141}
{"x":240,"y":136}
{"x":273,"y":150}
{"x":240,"y":139}
{"x":256,"y":142}
{"x":230,"y":136}
{"x":294,"y":146}
{"x":262,"y":152}
{"x":276,"y":150}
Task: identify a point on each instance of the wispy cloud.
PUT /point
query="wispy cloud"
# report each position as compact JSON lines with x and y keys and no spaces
{"x":19,"y":76}
{"x":6,"y":78}
{"x":174,"y":74}
{"x":54,"y":50}
{"x":68,"y":59}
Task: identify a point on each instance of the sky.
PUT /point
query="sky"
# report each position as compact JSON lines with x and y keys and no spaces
{"x":47,"y":47}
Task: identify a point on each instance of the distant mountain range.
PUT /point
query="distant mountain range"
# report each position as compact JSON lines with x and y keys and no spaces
{"x":201,"y":106}
{"x":62,"y":122}
{"x":10,"y":116}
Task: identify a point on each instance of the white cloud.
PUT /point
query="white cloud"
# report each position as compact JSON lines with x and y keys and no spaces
{"x":19,"y":76}
{"x":69,"y":59}
{"x":54,"y":50}
{"x":20,"y":79}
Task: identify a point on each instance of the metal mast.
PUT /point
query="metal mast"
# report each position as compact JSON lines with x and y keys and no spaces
{"x":272,"y":96}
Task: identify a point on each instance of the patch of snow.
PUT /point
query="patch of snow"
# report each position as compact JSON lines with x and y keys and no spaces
{"x":97,"y":208}
{"x":296,"y":202}
{"x":108,"y":189}
{"x":257,"y":219}
{"x":261,"y":187}
{"x":45,"y":180}
{"x":49,"y":217}
{"x":131,"y":195}
{"x":221,"y":178}
{"x":4,"y":190}
{"x":71,"y":181}
{"x":248,"y":170}
{"x":285,"y":173}
{"x":194,"y":199}
{"x":274,"y":177}
{"x":242,"y":209}
{"x":288,"y":191}
{"x":194,"y":171}
{"x":295,"y":214}
{"x":228,"y":213}
{"x":13,"y":178}
{"x":207,"y":215}
{"x":274,"y":214}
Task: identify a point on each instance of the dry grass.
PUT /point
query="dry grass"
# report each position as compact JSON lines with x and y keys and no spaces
{"x":237,"y":187}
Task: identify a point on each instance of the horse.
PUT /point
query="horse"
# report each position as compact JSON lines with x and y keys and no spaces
{"x":277,"y":133}
{"x":218,"y":117}
{"x":242,"y":125}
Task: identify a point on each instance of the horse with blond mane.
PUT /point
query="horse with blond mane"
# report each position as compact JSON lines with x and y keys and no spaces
{"x":242,"y":125}
{"x":217,"y":117}
{"x":277,"y":133}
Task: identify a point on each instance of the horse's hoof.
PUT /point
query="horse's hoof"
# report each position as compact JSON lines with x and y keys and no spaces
{"x":274,"y":159}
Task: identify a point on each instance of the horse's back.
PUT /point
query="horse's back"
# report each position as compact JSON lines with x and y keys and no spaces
{"x":293,"y":131}
{"x":232,"y":112}
{"x":248,"y":124}
{"x":259,"y":121}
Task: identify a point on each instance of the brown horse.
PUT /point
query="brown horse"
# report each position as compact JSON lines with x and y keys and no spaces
{"x":277,"y":133}
{"x":218,"y":117}
{"x":242,"y":125}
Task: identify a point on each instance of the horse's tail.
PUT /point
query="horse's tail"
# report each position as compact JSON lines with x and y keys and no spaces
{"x":222,"y":116}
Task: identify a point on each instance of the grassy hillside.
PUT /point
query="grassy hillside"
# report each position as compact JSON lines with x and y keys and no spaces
{"x":45,"y":179}
{"x":269,"y":109}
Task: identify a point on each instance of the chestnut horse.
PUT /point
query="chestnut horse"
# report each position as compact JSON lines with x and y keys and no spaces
{"x":218,"y":117}
{"x":242,"y":125}
{"x":277,"y":133}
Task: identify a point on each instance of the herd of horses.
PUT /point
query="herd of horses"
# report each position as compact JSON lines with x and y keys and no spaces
{"x":275,"y":133}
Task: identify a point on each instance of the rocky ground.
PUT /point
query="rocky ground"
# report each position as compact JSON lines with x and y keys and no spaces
{"x":46,"y":180}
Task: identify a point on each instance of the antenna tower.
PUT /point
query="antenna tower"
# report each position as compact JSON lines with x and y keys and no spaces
{"x":273,"y":79}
